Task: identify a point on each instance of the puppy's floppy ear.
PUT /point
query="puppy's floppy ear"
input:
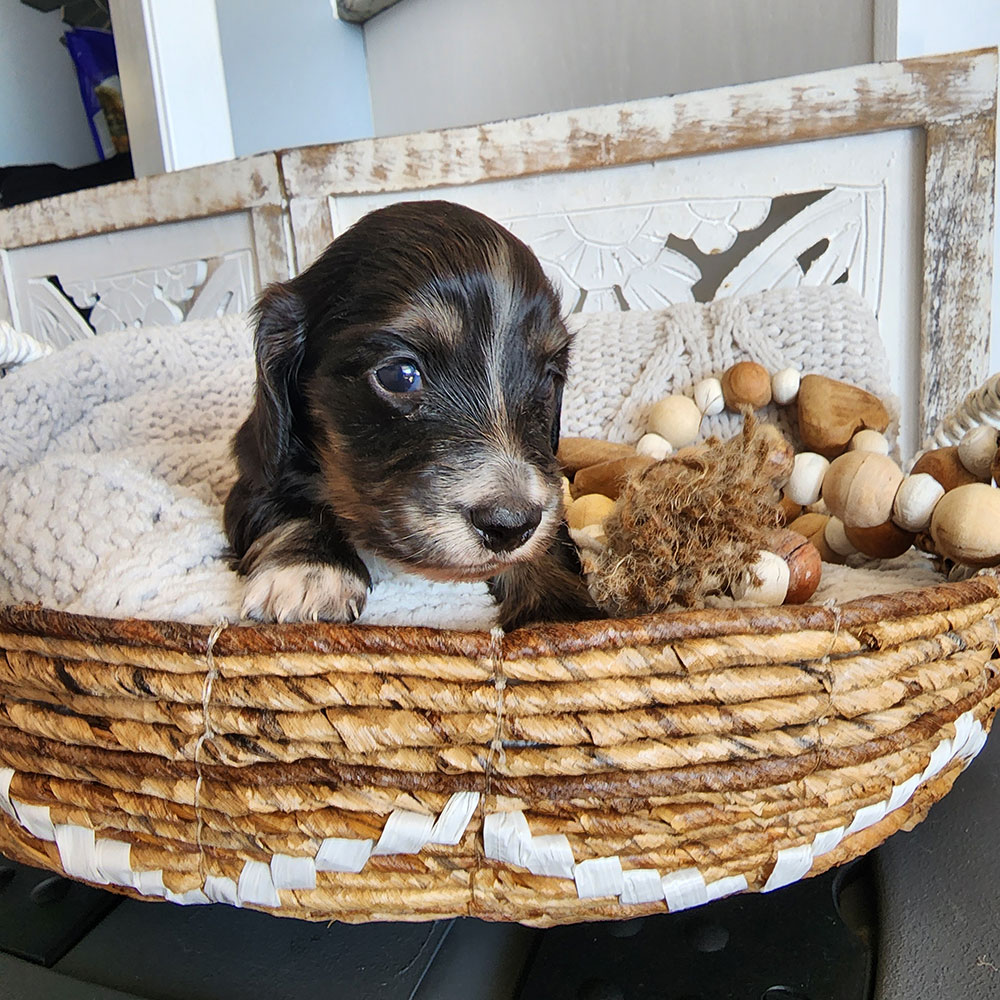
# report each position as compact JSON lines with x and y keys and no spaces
{"x":280,"y":344}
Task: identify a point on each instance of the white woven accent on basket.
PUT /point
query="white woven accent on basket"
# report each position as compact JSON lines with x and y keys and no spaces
{"x":507,"y":838}
{"x":599,"y":877}
{"x":450,"y":825}
{"x":404,"y":832}
{"x":6,"y":774}
{"x":343,"y":854}
{"x":114,"y":861}
{"x":139,"y":424}
{"x":220,"y":889}
{"x":641,"y":885}
{"x":78,"y":851}
{"x":288,"y":872}
{"x":981,"y":406}
{"x":106,"y":861}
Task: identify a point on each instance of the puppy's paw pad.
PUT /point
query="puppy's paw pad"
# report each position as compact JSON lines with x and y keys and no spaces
{"x":304,"y":592}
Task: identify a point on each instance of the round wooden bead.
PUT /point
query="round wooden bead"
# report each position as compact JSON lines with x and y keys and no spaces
{"x":677,"y":419}
{"x":806,"y":481}
{"x":813,"y":528}
{"x":836,"y":537}
{"x":976,"y":451}
{"x":590,"y":509}
{"x":708,"y":397}
{"x":884,"y":541}
{"x":805,"y":567}
{"x":785,"y":386}
{"x":915,"y":501}
{"x":869,"y":440}
{"x":654,"y":446}
{"x":774,"y":575}
{"x":965,"y":525}
{"x":746,"y":384}
{"x":860,"y":487}
{"x":945,"y":466}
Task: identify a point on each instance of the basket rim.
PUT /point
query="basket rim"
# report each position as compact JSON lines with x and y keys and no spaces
{"x":532,"y":641}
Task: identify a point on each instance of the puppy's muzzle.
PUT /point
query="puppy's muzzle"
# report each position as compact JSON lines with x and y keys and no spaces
{"x":503,"y":529}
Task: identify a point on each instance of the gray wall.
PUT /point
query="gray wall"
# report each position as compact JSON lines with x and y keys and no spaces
{"x":41,"y":113}
{"x":435,"y":63}
{"x":294,"y":74}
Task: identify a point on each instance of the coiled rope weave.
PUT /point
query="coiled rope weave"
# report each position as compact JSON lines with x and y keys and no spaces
{"x":981,"y":406}
{"x":557,"y":773}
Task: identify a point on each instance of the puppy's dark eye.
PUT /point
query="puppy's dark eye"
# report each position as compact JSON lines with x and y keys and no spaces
{"x":399,"y":377}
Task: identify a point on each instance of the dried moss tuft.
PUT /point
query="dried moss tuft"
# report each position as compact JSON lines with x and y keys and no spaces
{"x":688,"y":527}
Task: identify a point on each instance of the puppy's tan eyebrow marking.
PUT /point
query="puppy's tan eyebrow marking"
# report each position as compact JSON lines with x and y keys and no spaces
{"x":430,"y":316}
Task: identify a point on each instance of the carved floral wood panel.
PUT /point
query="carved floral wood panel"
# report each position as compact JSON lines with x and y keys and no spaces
{"x":61,"y":310}
{"x":624,"y":257}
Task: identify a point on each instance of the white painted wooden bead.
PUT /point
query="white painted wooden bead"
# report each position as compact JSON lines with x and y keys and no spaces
{"x":654,"y":446}
{"x":869,"y":440}
{"x":836,"y":537}
{"x":976,"y":451}
{"x":785,"y":386}
{"x":676,"y":418}
{"x":708,"y":397}
{"x":774,"y":575}
{"x":806,"y":481}
{"x":915,"y":501}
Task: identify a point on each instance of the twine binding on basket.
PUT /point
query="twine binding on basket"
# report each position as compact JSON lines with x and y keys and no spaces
{"x":206,"y":733}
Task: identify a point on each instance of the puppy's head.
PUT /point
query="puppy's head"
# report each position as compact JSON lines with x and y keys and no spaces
{"x":418,"y":367}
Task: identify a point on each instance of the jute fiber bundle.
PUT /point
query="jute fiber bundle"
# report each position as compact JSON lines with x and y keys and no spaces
{"x":608,"y":769}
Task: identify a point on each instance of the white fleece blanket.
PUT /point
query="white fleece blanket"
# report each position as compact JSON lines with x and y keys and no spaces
{"x":115,"y":451}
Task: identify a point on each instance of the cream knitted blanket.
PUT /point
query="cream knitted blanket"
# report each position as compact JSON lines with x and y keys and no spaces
{"x":115,"y":451}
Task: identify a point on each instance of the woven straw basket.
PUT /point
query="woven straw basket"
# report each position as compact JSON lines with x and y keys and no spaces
{"x":559,"y":773}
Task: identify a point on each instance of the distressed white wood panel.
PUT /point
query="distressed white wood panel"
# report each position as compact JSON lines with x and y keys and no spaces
{"x":153,"y":275}
{"x":602,"y":234}
{"x":197,"y":193}
{"x":852,"y":101}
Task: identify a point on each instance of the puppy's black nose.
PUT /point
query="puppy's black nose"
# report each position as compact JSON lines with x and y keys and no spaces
{"x":503,"y":529}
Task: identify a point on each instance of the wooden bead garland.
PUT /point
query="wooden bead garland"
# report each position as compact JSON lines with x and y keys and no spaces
{"x":869,"y":505}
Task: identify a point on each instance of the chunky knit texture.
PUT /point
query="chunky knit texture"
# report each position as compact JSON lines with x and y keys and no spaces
{"x":115,"y":451}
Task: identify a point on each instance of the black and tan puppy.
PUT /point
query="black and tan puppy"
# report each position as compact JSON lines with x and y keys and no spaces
{"x":408,"y":393}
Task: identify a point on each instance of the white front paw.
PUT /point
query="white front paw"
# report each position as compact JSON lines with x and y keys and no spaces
{"x":304,"y":592}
